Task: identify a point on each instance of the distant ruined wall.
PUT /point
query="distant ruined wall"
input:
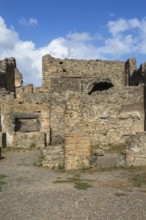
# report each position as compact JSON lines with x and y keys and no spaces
{"x":82,"y":104}
{"x":62,"y":75}
{"x":112,"y":115}
{"x":101,"y":107}
{"x":22,"y":115}
{"x":7,"y":74}
{"x":100,"y":121}
{"x":29,"y":140}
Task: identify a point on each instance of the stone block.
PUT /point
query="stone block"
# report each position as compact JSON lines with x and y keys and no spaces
{"x":29,"y":140}
{"x":53,"y":157}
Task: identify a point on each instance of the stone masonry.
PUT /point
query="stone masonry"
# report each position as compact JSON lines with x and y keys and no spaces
{"x":84,"y":110}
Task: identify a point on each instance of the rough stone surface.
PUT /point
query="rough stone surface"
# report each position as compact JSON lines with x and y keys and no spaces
{"x":82,"y":104}
{"x":30,"y":193}
{"x":136,"y":150}
{"x":53,"y":157}
{"x":77,"y":150}
{"x":29,"y":140}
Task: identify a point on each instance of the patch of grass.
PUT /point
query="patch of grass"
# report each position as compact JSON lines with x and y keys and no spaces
{"x":7,"y":149}
{"x":2,"y":182}
{"x":139,"y":180}
{"x":62,"y":181}
{"x":78,"y":183}
{"x":32,"y":145}
{"x":2,"y":176}
{"x":81,"y":185}
{"x":73,"y":179}
{"x":60,"y":167}
{"x":68,"y":180}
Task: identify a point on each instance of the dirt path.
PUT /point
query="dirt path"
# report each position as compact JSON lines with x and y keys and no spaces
{"x":31,"y":194}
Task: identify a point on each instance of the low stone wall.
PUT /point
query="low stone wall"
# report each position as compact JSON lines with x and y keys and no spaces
{"x":1,"y":143}
{"x":136,"y":150}
{"x":53,"y":157}
{"x":29,"y":140}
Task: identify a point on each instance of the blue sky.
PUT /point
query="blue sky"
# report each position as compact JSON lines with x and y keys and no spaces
{"x":82,"y":29}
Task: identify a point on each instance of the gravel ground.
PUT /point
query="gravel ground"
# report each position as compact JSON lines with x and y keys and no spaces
{"x":31,"y":194}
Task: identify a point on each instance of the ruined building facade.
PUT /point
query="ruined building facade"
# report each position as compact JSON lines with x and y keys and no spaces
{"x":82,"y":111}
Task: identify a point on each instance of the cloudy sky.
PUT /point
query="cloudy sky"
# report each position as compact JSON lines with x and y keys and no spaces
{"x":82,"y":29}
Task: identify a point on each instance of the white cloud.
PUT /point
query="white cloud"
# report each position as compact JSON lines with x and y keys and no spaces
{"x":28,"y":22}
{"x":8,"y":37}
{"x":123,"y":37}
{"x":122,"y":25}
{"x":116,"y":27}
{"x":112,"y":14}
{"x":79,"y":36}
{"x":32,"y":21}
{"x":134,"y":23}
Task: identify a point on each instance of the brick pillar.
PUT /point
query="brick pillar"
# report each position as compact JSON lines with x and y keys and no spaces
{"x":77,"y":150}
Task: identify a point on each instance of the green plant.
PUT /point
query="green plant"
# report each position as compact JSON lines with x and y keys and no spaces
{"x":39,"y":161}
{"x":139,"y":180}
{"x":2,"y":182}
{"x":78,"y":183}
{"x":32,"y":145}
{"x":58,"y":168}
{"x":62,"y":181}
{"x":81,"y":185}
{"x":7,"y":149}
{"x":68,"y":180}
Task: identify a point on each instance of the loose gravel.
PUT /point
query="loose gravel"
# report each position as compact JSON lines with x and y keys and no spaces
{"x":31,"y":194}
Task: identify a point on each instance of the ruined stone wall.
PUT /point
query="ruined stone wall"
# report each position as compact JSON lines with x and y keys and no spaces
{"x":101,"y":107}
{"x":29,"y":140}
{"x":10,"y":77}
{"x":81,"y":104}
{"x":61,"y":75}
{"x":42,"y":110}
{"x":130,"y":67}
{"x":8,"y":68}
{"x":106,"y":119}
{"x":112,"y":115}
{"x":57,"y":112}
{"x":25,"y":115}
{"x":136,"y":150}
{"x":6,"y":117}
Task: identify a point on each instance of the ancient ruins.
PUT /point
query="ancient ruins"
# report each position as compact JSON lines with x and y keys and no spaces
{"x":88,"y":113}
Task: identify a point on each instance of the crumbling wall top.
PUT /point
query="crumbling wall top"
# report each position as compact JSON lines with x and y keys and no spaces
{"x":53,"y":69}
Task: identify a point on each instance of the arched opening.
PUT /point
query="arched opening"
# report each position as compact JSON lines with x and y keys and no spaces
{"x":101,"y":86}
